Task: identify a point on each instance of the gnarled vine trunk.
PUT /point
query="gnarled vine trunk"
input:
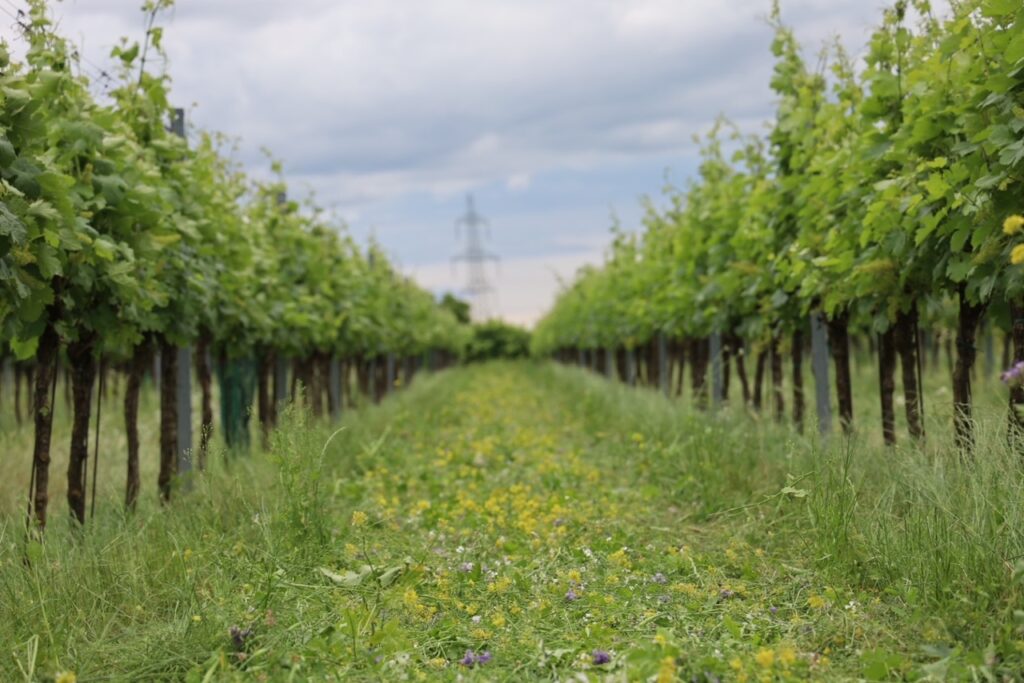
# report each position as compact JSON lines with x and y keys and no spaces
{"x":798,"y":379}
{"x":777,"y":388}
{"x":136,"y":370}
{"x":967,"y":327}
{"x":42,"y":410}
{"x":205,"y":376}
{"x":906,"y":345}
{"x":168,"y":418}
{"x":82,"y":358}
{"x":887,"y":384}
{"x":839,"y":345}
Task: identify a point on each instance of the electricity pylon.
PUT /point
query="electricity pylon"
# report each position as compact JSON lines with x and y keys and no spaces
{"x":478,"y":289}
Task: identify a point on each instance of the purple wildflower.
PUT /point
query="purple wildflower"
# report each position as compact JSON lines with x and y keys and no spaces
{"x":571,"y":596}
{"x":474,"y":659}
{"x":1014,"y":376}
{"x":239,"y":636}
{"x":466,"y":567}
{"x":773,"y":609}
{"x":601,"y":657}
{"x":659,"y":578}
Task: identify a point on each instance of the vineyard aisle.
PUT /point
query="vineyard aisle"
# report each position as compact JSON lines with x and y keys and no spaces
{"x":502,"y":522}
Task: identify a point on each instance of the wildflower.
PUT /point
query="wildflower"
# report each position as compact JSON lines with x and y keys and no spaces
{"x":726,"y":594}
{"x":196,"y":618}
{"x":601,"y":657}
{"x":475,"y":618}
{"x":410,"y":598}
{"x":816,"y":602}
{"x":473,"y":659}
{"x":774,"y":610}
{"x":1014,"y":376}
{"x":466,"y":567}
{"x":765,"y":657}
{"x":65,"y":677}
{"x":787,"y":656}
{"x":239,"y":636}
{"x":571,"y":596}
{"x":359,"y":518}
{"x":1013,"y":224}
{"x":667,"y":670}
{"x":659,"y":578}
{"x":1017,"y":255}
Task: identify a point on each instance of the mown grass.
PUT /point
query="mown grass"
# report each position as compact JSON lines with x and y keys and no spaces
{"x":540,"y":514}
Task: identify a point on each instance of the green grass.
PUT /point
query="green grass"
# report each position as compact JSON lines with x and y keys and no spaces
{"x":538,"y":513}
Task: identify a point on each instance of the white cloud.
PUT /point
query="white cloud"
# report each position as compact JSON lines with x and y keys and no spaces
{"x":386,"y":107}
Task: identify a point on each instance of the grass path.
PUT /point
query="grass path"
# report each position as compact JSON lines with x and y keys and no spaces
{"x":509,"y":522}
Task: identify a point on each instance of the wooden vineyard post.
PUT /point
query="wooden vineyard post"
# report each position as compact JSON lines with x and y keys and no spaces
{"x":183,"y":394}
{"x":609,"y":363}
{"x":372,"y":373}
{"x":717,"y":385}
{"x":819,"y":368}
{"x":183,"y":379}
{"x":663,"y":365}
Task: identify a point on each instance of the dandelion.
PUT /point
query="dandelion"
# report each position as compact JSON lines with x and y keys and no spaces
{"x":359,"y":518}
{"x":765,"y":658}
{"x":600,"y":657}
{"x":1017,"y":255}
{"x":1013,"y":224}
{"x":667,"y":670}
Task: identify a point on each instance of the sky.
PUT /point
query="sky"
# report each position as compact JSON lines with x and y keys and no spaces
{"x":557,"y":115}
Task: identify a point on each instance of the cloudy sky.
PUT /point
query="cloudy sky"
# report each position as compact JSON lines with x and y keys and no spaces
{"x":555,"y":114}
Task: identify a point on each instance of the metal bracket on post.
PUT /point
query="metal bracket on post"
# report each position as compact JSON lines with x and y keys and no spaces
{"x":663,"y":376}
{"x":819,"y":367}
{"x":609,"y":362}
{"x":717,"y":385}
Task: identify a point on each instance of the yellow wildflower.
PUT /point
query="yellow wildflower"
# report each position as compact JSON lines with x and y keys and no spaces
{"x":411,"y":598}
{"x":667,"y":670}
{"x":359,"y":518}
{"x":1017,"y":255}
{"x":816,"y":602}
{"x":735,"y":664}
{"x":66,"y":677}
{"x":498,"y":620}
{"x":1013,"y":224}
{"x":765,"y":657}
{"x":196,"y":618}
{"x":787,"y":656}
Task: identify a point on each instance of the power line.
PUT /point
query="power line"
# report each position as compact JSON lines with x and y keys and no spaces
{"x":478,"y":289}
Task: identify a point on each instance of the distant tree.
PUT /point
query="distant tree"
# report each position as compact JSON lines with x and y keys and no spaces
{"x":458,"y":307}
